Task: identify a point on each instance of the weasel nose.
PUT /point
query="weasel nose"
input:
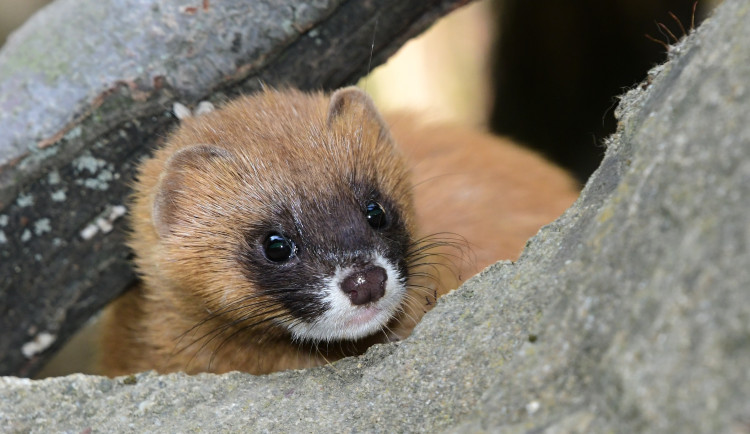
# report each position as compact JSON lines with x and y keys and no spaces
{"x":365,"y":286}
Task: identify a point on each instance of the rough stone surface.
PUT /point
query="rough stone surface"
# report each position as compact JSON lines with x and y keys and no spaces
{"x":631,"y":313}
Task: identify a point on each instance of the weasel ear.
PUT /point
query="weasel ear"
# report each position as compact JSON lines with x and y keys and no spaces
{"x":353,"y":101}
{"x":173,"y":188}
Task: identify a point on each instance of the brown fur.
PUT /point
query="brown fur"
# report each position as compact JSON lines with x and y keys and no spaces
{"x":490,"y":192}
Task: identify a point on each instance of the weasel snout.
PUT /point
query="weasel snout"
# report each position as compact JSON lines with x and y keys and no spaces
{"x":365,"y":286}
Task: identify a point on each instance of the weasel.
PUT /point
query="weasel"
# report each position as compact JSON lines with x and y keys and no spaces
{"x":288,"y":229}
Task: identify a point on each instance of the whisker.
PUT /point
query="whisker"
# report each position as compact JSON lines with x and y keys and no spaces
{"x":212,"y":334}
{"x":679,"y":23}
{"x":669,"y":33}
{"x":260,"y":305}
{"x":692,"y":18}
{"x":658,"y":41}
{"x":410,"y":315}
{"x":233,"y":334}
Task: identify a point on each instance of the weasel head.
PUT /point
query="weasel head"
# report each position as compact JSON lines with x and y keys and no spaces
{"x":283,"y":212}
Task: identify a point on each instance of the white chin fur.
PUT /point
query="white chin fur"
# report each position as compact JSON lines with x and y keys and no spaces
{"x":344,"y":320}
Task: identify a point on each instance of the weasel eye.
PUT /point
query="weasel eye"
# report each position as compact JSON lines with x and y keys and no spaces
{"x":278,"y":248}
{"x":375,"y":215}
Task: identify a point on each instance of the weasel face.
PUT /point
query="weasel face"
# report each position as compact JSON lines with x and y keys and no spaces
{"x":336,"y":264}
{"x":284,"y":212}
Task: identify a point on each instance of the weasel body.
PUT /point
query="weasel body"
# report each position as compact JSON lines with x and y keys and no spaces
{"x":287,"y":230}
